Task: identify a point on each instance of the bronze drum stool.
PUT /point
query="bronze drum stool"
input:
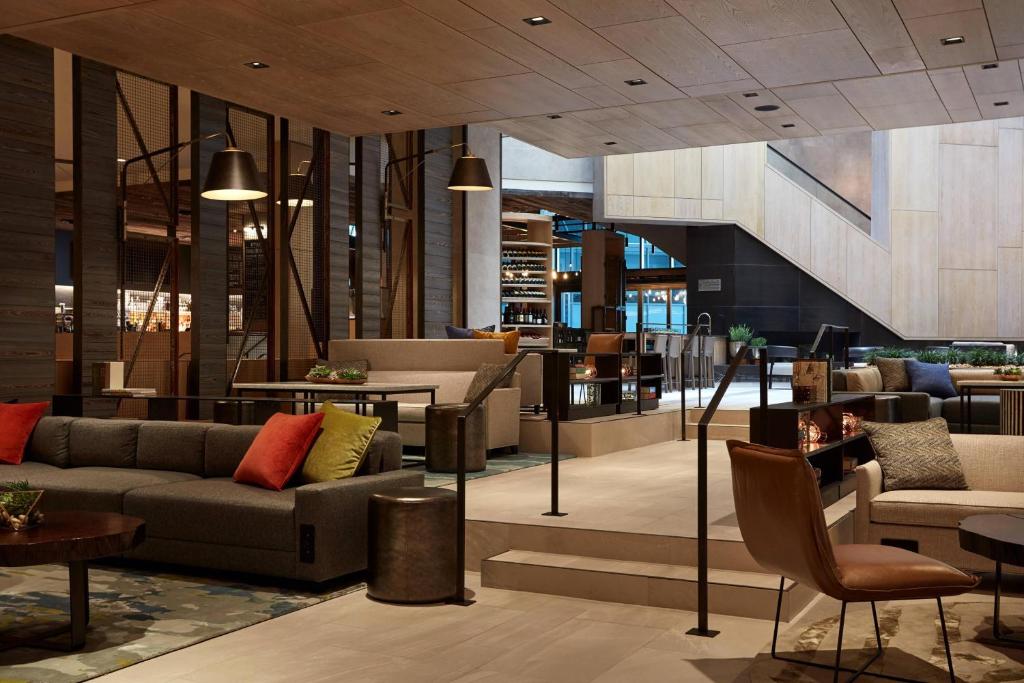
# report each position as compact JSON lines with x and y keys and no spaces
{"x":412,"y":545}
{"x":441,"y":444}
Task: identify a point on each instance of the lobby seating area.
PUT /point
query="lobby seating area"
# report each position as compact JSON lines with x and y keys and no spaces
{"x":481,"y":341}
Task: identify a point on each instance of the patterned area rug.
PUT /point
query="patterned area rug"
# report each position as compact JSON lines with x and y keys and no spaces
{"x":135,"y":615}
{"x":911,"y":638}
{"x":496,"y":464}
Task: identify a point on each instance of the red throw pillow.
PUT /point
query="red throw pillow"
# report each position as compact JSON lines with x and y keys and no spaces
{"x":17,"y":420}
{"x":279,"y":450}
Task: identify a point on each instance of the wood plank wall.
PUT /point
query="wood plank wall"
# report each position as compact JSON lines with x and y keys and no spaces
{"x":209,"y":261}
{"x":368,"y":151}
{"x":338,"y":192}
{"x":437,"y":234}
{"x":27,"y":221}
{"x":95,"y":263}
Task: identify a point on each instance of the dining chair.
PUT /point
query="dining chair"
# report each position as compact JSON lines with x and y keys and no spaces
{"x":779,"y":511}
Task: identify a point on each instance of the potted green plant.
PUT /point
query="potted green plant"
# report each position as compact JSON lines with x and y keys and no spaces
{"x":758,"y":342}
{"x":19,"y":505}
{"x":349,"y":376}
{"x":1008,"y":374}
{"x":320,"y":374}
{"x":738,"y":335}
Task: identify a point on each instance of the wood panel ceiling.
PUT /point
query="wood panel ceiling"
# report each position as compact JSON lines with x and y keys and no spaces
{"x":703,"y":71}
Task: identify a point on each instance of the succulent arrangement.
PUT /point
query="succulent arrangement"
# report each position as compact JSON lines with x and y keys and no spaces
{"x":1008,"y":373}
{"x":18,"y":505}
{"x":324,"y":374}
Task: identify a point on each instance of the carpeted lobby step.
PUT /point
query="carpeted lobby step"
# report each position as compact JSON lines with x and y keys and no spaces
{"x":736,"y":593}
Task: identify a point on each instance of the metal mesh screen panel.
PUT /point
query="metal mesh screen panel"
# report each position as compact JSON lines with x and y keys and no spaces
{"x":147,"y":121}
{"x":250,"y":235}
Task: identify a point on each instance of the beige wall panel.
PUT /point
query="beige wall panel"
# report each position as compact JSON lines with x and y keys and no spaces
{"x":618,"y":174}
{"x":914,"y":162}
{"x":1011,"y":187}
{"x":653,"y":207}
{"x":687,"y":208}
{"x":1010,"y":299}
{"x":967,"y":207}
{"x":915,"y":272}
{"x":743,"y":187}
{"x":712,"y":177}
{"x":967,"y":305}
{"x":868,"y":275}
{"x":787,"y":218}
{"x":828,"y":245}
{"x":687,"y":173}
{"x":1015,"y":122}
{"x":618,"y":206}
{"x":711,"y":209}
{"x":974,"y":133}
{"x":653,"y":174}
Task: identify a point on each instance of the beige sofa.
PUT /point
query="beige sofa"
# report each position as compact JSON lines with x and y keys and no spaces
{"x":448,"y":363}
{"x":994,"y":467}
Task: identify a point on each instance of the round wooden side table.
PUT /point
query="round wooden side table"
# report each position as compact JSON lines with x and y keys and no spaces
{"x":999,"y":538}
{"x":75,"y":538}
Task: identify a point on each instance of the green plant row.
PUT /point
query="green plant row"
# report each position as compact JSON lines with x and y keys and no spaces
{"x":974,"y":357}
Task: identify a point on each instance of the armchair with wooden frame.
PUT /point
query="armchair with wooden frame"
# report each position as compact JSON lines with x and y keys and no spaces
{"x":778,"y":508}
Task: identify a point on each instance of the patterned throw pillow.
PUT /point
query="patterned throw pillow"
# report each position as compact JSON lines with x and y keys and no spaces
{"x":916,"y":455}
{"x":485,"y":374}
{"x":894,"y":374}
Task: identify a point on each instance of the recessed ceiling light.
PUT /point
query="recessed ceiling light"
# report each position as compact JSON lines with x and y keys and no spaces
{"x":636,"y":81}
{"x":789,"y":125}
{"x":554,"y":116}
{"x":750,"y":94}
{"x":391,"y":112}
{"x":767,"y":107}
{"x":610,"y":143}
{"x":952,"y":40}
{"x":537,"y":21}
{"x":989,"y":66}
{"x":1000,"y":104}
{"x":257,"y":65}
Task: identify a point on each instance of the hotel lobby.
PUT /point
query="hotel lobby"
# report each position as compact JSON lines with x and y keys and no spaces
{"x":511,"y":340}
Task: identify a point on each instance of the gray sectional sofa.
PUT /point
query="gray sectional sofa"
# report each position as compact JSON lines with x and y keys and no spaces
{"x":177,"y":477}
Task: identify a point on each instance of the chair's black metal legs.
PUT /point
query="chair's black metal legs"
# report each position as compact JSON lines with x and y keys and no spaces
{"x":835,"y":669}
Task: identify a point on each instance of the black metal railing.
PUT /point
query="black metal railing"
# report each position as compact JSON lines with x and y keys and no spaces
{"x":702,"y":484}
{"x":820,"y":190}
{"x":832,"y":329}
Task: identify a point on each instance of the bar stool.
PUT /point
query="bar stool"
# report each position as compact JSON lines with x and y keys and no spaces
{"x":674,"y":370}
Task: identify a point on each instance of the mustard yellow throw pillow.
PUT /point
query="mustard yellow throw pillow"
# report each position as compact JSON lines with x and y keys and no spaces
{"x":341,"y":447}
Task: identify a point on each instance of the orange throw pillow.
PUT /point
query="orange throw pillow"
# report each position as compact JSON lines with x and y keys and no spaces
{"x":17,"y":420}
{"x":279,"y":450}
{"x":511,"y":339}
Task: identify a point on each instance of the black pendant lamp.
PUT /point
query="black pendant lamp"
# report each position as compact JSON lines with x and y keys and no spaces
{"x":232,"y":177}
{"x":296,"y":182}
{"x":470,"y":175}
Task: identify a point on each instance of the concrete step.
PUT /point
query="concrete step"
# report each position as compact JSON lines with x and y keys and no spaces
{"x":724,"y":416}
{"x":720,"y":432}
{"x":736,"y":593}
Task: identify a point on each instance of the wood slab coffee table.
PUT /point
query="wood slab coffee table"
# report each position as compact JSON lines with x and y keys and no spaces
{"x":75,"y":538}
{"x":999,"y":538}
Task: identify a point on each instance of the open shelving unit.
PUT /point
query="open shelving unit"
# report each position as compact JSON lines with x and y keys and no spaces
{"x":836,"y":453}
{"x":526,"y":288}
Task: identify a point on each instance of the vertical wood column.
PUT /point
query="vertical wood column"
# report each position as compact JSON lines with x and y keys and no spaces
{"x":95,"y":263}
{"x":368,"y":198}
{"x":27,"y":221}
{"x":338,"y":207}
{"x":208,"y":370}
{"x":437,"y":235}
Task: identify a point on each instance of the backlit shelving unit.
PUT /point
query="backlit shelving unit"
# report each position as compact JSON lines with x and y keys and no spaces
{"x":526,"y":287}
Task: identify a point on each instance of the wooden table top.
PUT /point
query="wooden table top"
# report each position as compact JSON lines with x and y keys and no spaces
{"x":69,"y":537}
{"x":987,"y":383}
{"x":368,"y":388}
{"x":997,"y":537}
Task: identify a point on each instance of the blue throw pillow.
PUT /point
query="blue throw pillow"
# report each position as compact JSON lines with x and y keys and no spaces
{"x":464,"y":332}
{"x":931,"y":378}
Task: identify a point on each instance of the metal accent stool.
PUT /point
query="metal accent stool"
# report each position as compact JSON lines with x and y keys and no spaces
{"x":441,"y":444}
{"x":412,"y":554}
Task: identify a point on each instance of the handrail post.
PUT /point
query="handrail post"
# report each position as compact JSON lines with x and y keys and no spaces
{"x":554,"y":406}
{"x":762,"y":357}
{"x":459,"y":597}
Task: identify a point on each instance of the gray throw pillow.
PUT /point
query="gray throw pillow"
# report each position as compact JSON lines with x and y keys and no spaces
{"x":485,"y":374}
{"x":894,"y":374}
{"x":916,"y":455}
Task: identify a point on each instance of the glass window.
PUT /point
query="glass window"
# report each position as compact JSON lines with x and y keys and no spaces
{"x":634,"y":252}
{"x":678,"y":310}
{"x":631,"y":299}
{"x":656,"y":308}
{"x":567,"y":259}
{"x":570,"y":313}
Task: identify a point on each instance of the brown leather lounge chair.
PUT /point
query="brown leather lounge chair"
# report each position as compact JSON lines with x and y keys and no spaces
{"x":778,"y":507}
